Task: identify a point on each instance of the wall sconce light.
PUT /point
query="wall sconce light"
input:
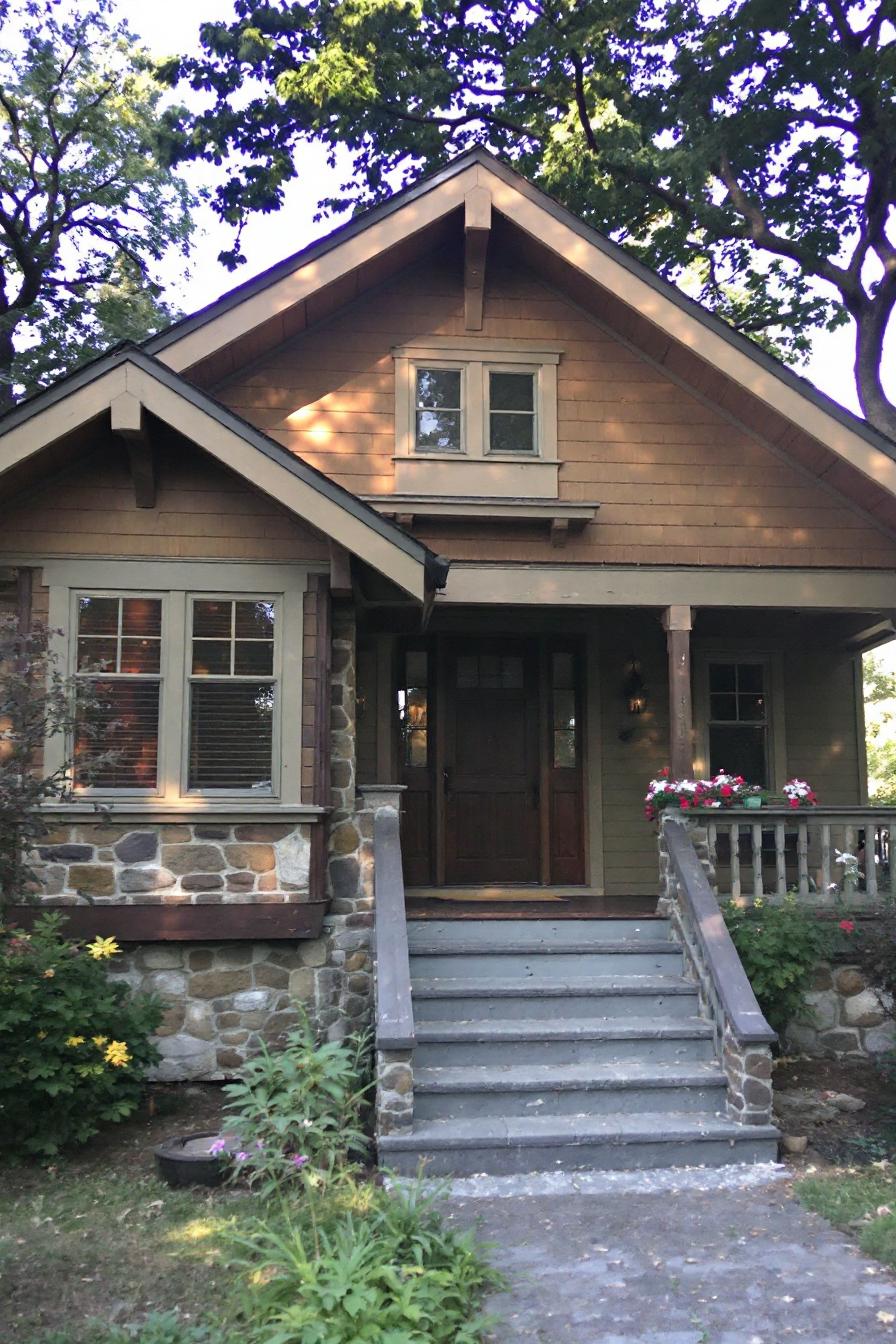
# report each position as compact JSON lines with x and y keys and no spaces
{"x":634,"y":689}
{"x":635,"y":695}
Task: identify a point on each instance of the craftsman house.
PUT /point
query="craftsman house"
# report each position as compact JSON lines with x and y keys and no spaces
{"x":459,"y":523}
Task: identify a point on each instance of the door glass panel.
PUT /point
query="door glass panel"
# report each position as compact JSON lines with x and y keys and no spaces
{"x":563,"y":711}
{"x":413,"y":709}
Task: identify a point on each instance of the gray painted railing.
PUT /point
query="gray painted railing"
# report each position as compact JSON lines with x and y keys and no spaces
{"x":772,"y":850}
{"x":394,"y":1009}
{"x":705,"y":924}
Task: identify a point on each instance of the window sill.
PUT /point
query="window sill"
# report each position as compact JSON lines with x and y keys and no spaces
{"x":159,"y":810}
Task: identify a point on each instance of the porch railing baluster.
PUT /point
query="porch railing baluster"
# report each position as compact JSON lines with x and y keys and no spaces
{"x":757,"y":861}
{"x":826,"y":879}
{"x":734,"y":844}
{"x":870,"y":858}
{"x":802,"y":855}
{"x":780,"y":860}
{"x":849,"y":846}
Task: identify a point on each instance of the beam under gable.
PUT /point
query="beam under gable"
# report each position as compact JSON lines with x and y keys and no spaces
{"x":477,"y":228}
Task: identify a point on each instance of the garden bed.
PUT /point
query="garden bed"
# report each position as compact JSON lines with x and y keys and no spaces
{"x":851,"y":1138}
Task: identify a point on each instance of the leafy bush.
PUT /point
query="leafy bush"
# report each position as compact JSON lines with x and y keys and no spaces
{"x":394,"y":1274}
{"x":74,"y":1046}
{"x":298,"y":1105}
{"x":779,"y":945}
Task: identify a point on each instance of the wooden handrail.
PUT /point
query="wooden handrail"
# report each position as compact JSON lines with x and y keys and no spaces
{"x":719,"y":955}
{"x":394,"y":1008}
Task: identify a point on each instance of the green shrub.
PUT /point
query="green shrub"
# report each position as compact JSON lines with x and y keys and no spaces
{"x":296,"y":1106}
{"x":779,"y":945}
{"x":74,"y":1045}
{"x":392,"y":1274}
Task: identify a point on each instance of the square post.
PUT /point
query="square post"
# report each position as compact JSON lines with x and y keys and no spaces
{"x":677,"y":623}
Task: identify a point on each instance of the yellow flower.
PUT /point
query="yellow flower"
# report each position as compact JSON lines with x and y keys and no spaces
{"x":103,"y":947}
{"x":117,"y":1054}
{"x":41,"y":1035}
{"x":49,"y":973}
{"x":74,"y":1041}
{"x":100,"y":1041}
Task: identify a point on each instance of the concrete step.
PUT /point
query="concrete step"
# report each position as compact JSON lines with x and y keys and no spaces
{"x":463,"y":1091}
{"x":519,"y":1144}
{"x":477,"y":998}
{"x":561,"y":1041}
{"x":532,"y":933}
{"x":589,"y":957}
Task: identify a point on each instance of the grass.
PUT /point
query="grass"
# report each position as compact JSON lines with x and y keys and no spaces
{"x":858,"y":1201}
{"x":82,"y":1250}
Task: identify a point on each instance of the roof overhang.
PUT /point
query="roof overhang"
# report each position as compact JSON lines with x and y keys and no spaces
{"x":132,"y":377}
{"x":671,"y":328}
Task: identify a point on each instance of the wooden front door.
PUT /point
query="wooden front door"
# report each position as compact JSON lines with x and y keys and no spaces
{"x":490,"y":761}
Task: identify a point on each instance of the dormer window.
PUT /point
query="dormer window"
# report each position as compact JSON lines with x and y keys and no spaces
{"x":512,"y":419}
{"x":439,"y":410}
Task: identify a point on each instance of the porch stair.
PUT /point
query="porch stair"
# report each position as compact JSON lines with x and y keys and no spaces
{"x":561,"y":1045}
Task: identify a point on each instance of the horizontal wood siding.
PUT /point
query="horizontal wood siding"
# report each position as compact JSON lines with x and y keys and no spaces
{"x":821,"y":729}
{"x":630,"y":855}
{"x":202,"y":511}
{"x":677,"y":482}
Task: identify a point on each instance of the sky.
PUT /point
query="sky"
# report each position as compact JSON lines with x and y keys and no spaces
{"x":172,"y":26}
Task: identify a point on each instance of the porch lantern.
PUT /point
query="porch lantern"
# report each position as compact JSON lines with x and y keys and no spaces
{"x":634,"y":689}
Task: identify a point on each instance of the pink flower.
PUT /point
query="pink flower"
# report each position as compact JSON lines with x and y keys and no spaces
{"x":298,"y":1160}
{"x":241,"y":1157}
{"x":217,"y":1147}
{"x":848,"y":925}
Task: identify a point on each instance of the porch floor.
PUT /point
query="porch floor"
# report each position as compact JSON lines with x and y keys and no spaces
{"x":423,"y":904}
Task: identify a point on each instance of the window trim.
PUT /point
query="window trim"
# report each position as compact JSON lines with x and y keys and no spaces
{"x":772,"y":662}
{"x":175,"y":583}
{"x":476,"y":359}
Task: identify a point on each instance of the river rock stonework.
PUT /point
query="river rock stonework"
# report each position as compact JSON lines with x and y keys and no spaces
{"x":172,"y":863}
{"x":223,"y":1001}
{"x":844,"y":1018}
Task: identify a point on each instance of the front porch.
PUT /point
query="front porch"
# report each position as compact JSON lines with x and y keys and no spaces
{"x":525,"y":737}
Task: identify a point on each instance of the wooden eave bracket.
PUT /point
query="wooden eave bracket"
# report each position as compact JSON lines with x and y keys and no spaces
{"x":340,"y":571}
{"x":126,"y":413}
{"x":873,"y":636}
{"x":477,"y":226}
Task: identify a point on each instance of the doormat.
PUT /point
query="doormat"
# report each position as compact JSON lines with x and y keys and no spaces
{"x":493,"y":895}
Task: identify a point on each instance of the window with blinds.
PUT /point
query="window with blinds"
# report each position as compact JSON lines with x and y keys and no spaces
{"x":232,"y":694}
{"x":119,"y":651}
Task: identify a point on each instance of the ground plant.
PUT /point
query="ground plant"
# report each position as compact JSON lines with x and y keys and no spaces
{"x":74,"y":1045}
{"x":297,"y":1106}
{"x":863,"y":1202}
{"x":779,"y":946}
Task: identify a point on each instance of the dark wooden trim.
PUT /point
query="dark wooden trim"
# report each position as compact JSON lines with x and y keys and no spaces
{"x":182,"y":923}
{"x":321,"y":736}
{"x":24,"y":599}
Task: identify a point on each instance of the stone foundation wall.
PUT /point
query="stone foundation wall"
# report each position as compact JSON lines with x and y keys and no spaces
{"x":172,"y":863}
{"x":844,"y":1018}
{"x":223,"y":1000}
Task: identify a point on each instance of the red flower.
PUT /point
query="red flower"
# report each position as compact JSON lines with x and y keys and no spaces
{"x":848,"y":925}
{"x":726,"y":790}
{"x":684,"y":803}
{"x":794,"y":803}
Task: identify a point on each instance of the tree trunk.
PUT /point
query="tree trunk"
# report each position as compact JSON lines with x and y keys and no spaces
{"x":7,"y":355}
{"x":871,"y":328}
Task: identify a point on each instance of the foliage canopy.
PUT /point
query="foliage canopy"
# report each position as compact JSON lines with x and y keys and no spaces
{"x":88,"y":204}
{"x":745,"y":149}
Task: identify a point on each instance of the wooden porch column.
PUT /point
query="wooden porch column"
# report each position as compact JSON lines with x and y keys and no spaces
{"x":677,"y":625}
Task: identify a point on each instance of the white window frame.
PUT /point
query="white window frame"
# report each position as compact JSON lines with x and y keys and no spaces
{"x":178,"y":584}
{"x":475,"y":359}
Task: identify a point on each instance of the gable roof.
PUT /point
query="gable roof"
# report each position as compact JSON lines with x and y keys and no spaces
{"x":269,"y":467}
{"x":690,"y":341}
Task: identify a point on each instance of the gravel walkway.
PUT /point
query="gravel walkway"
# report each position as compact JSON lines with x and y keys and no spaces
{"x":672,"y":1258}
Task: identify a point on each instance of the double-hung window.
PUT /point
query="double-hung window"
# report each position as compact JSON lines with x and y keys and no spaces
{"x":185,"y":695}
{"x":476,"y":401}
